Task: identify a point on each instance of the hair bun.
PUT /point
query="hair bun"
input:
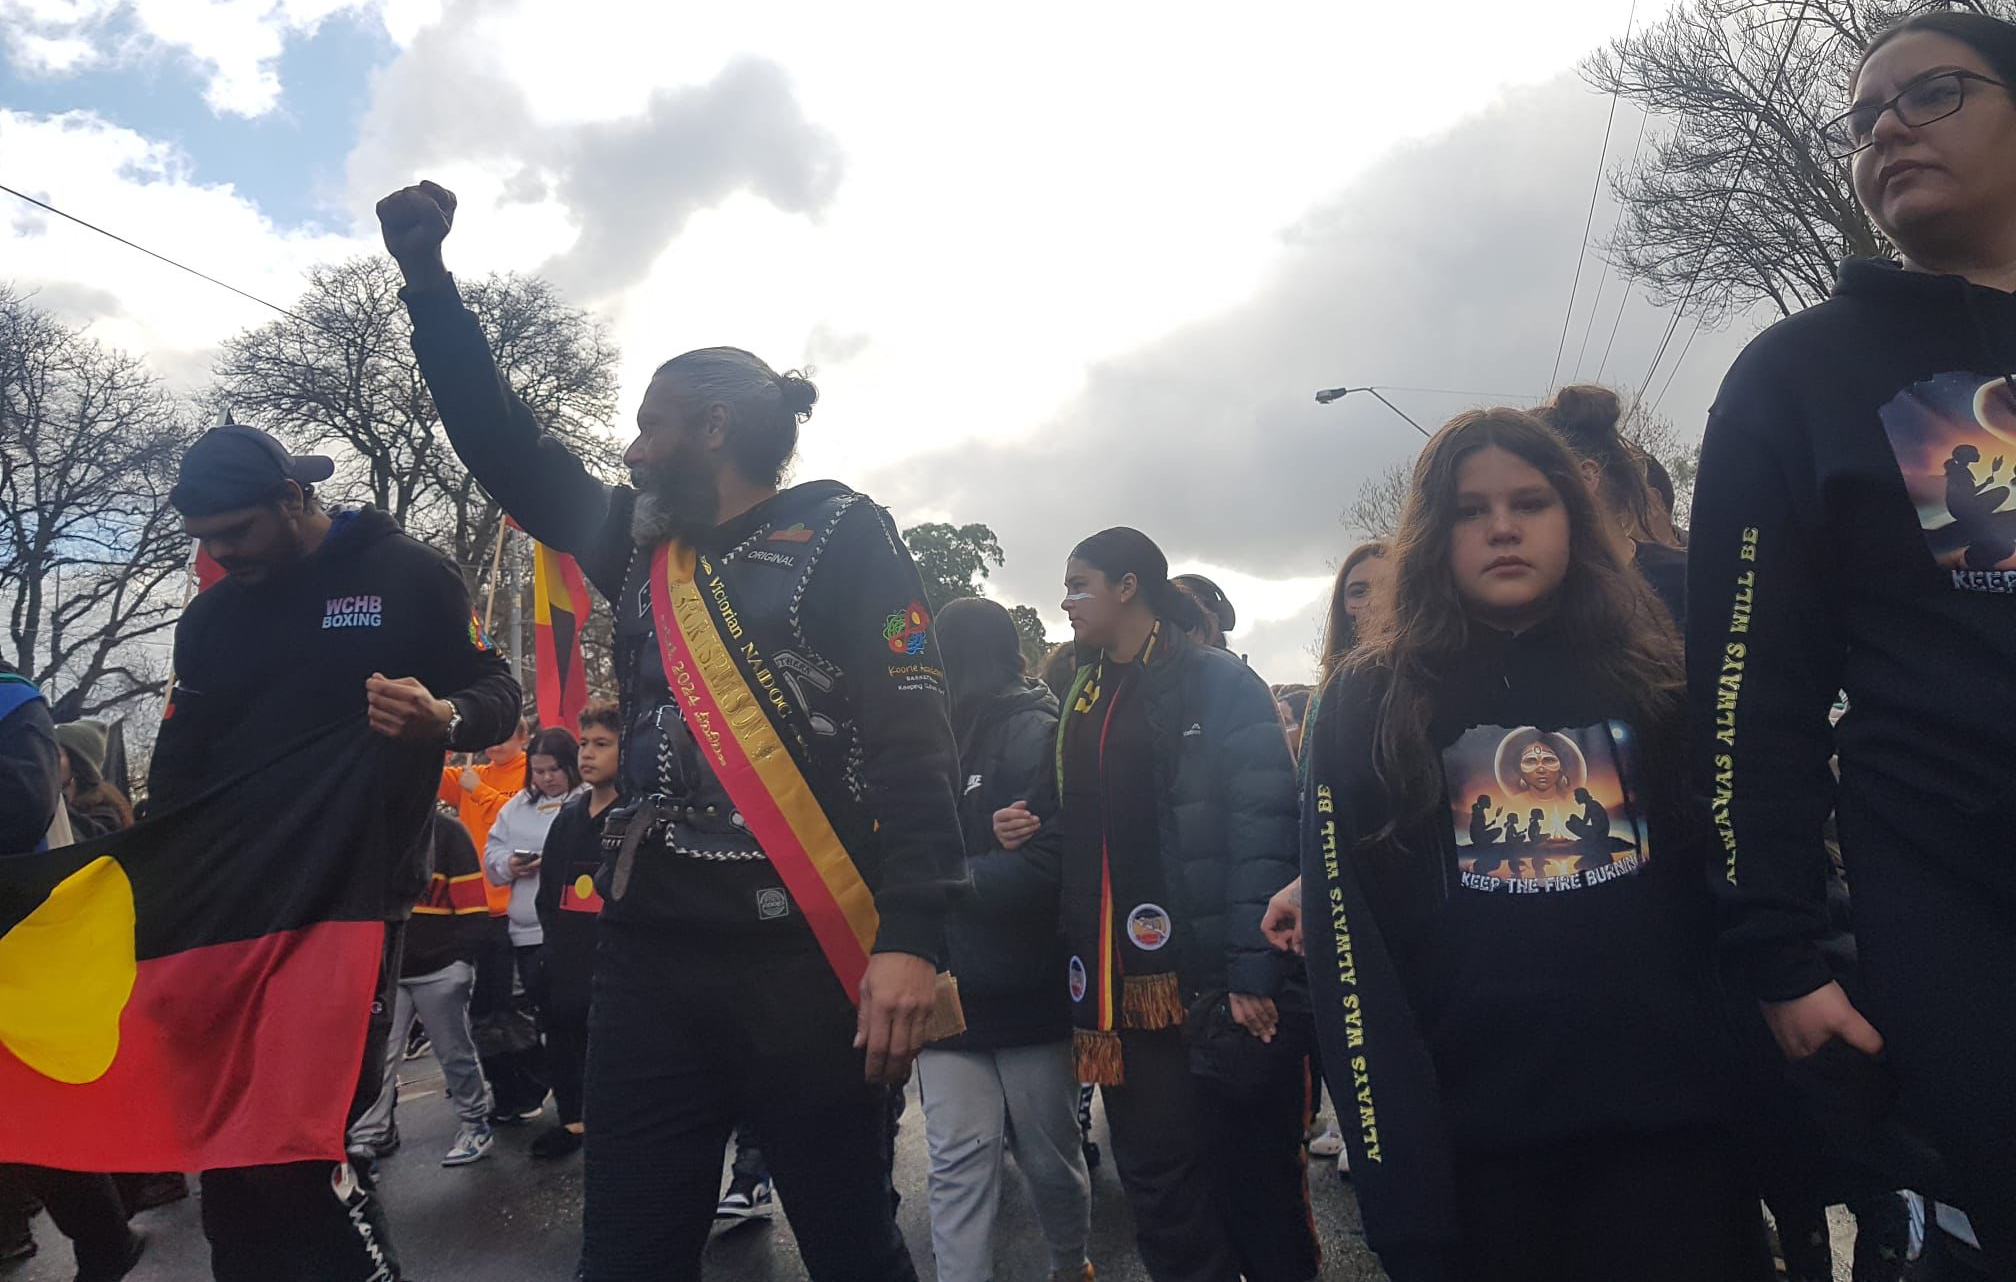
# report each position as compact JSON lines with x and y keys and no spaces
{"x":799,"y":392}
{"x":1586,"y":414}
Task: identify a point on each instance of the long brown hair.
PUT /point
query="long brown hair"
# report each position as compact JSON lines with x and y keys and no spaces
{"x":1622,"y":642}
{"x":1340,"y":631}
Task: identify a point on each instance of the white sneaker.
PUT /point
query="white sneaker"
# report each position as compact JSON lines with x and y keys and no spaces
{"x":471,"y":1143}
{"x":1329,"y":1144}
{"x":756,"y":1202}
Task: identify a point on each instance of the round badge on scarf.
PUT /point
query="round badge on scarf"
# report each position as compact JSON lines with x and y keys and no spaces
{"x":1078,"y":980}
{"x":1148,"y":927}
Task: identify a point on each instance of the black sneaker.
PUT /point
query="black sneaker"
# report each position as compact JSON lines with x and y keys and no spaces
{"x":136,"y":1246}
{"x":417,"y":1041}
{"x":372,"y":1150}
{"x":558,"y":1142}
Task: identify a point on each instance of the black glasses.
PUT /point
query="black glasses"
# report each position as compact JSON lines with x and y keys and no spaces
{"x":1933,"y":98}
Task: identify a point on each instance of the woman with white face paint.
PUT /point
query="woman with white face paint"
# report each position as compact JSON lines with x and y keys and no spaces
{"x":1854,"y":530}
{"x":1171,"y":822}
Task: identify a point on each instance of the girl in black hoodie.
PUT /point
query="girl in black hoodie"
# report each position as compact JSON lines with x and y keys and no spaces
{"x":1006,"y":1083}
{"x":1854,"y":530}
{"x":1506,"y":913}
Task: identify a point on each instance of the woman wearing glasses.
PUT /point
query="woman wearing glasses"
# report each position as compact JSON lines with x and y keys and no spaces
{"x":1854,"y":531}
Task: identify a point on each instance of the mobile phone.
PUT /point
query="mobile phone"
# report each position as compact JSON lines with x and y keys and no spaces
{"x":528,"y":856}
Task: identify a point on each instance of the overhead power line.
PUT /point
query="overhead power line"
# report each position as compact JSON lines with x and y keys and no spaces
{"x":1603,"y":281}
{"x":1729,"y":196}
{"x":181,"y":266}
{"x":1588,"y":221}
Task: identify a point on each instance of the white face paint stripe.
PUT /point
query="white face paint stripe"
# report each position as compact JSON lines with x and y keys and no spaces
{"x":1077,"y":596}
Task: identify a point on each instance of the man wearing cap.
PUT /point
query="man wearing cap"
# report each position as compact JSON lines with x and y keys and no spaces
{"x":320,"y":617}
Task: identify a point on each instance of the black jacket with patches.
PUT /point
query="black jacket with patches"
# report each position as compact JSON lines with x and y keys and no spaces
{"x":817,"y":574}
{"x":1458,"y":1011}
{"x":1226,"y":827}
{"x":452,"y":920}
{"x":1854,"y":529}
{"x":260,"y":667}
{"x":1003,"y":942}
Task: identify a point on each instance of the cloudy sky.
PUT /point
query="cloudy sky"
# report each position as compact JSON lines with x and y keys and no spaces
{"x":1059,"y":267}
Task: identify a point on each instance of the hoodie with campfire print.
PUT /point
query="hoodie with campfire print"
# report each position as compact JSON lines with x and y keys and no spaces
{"x":1528,"y":965}
{"x":1855,"y":531}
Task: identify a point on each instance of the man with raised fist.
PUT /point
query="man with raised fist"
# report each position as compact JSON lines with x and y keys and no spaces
{"x":775,"y":883}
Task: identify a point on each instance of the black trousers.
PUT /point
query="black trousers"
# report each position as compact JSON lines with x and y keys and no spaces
{"x":1161,"y":1150}
{"x":1663,"y":1208}
{"x":1253,"y":1142}
{"x":684,"y":1041}
{"x":309,"y":1221}
{"x":84,"y":1208}
{"x":507,"y":1039}
{"x":1938,"y":968}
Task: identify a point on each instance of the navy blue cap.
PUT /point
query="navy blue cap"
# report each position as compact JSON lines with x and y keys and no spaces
{"x":235,"y":466}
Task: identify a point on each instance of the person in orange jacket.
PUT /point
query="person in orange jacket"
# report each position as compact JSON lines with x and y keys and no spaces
{"x":479,"y":792}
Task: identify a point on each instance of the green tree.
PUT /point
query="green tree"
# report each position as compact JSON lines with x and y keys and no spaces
{"x":952,"y":559}
{"x":1035,"y":641}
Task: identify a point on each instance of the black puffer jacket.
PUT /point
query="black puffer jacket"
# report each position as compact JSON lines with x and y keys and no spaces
{"x":1228,"y":816}
{"x":1002,"y":942}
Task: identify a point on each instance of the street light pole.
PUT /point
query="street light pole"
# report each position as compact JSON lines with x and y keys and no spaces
{"x":1330,"y":394}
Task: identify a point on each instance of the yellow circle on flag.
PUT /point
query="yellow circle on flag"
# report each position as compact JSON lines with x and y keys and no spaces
{"x":584,"y":887}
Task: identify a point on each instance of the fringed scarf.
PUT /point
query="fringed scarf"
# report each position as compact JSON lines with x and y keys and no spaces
{"x":1117,"y":910}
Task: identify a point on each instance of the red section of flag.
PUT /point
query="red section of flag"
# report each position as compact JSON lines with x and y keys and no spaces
{"x":559,"y":610}
{"x":580,"y":896}
{"x":235,"y":1054}
{"x":208,"y":572}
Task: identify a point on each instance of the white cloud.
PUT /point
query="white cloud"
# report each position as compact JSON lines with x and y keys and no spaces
{"x":129,"y":184}
{"x":235,"y":43}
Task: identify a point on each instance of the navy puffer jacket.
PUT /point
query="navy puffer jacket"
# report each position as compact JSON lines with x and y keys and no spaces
{"x":1228,"y":817}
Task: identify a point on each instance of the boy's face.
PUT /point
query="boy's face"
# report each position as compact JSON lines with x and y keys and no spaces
{"x":598,"y":755}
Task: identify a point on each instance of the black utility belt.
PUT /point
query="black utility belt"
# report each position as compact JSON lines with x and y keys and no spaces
{"x":678,"y":829}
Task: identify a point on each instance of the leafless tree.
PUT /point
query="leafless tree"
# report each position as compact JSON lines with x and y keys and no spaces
{"x":1736,"y":202}
{"x":340,"y":372}
{"x":1375,"y":512}
{"x":91,"y":556}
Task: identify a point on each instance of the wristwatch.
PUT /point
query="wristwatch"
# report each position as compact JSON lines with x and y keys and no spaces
{"x":454,"y":721}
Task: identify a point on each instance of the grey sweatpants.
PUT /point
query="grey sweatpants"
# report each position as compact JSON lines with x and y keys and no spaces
{"x":977,"y":1104}
{"x":441,"y":1000}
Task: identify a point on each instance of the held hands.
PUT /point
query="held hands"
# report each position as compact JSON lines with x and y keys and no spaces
{"x":1805,"y":1024}
{"x":1282,"y":923}
{"x":401,"y":708}
{"x":1256,"y":1015}
{"x":1014,"y":826}
{"x":896,"y":997}
{"x":415,"y":220}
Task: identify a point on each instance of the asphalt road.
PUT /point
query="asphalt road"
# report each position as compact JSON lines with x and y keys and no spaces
{"x":508,"y":1218}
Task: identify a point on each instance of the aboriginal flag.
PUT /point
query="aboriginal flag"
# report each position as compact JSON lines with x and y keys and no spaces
{"x":559,"y":612}
{"x":194,"y":992}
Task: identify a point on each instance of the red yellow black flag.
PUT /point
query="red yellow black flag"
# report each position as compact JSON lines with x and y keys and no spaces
{"x":560,"y":606}
{"x":193,"y":992}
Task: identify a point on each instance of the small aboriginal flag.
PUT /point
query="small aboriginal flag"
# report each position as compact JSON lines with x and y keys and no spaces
{"x":559,"y":612}
{"x":194,"y":992}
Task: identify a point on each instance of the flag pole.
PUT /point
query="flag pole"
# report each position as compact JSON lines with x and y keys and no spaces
{"x":496,"y":560}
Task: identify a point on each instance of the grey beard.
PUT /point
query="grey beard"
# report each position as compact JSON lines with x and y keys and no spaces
{"x":672,"y":503}
{"x":651,"y":523}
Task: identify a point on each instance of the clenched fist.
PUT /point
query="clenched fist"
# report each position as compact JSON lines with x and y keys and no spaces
{"x":415,"y":220}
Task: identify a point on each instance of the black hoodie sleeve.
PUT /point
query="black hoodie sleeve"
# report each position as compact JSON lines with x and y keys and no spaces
{"x":536,"y":478}
{"x":472,"y":675}
{"x":1374,"y":1054}
{"x":1024,"y":881}
{"x":1764,"y":657}
{"x":908,"y":762}
{"x":1256,"y":776}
